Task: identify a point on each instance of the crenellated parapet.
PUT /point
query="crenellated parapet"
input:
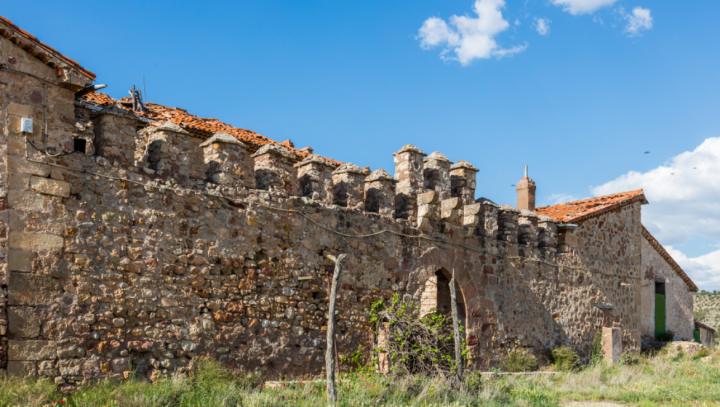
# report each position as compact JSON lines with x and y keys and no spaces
{"x":315,"y":178}
{"x":436,"y":196}
{"x":348,"y":185}
{"x":436,"y":174}
{"x":409,"y":177}
{"x":380,"y":193}
{"x":275,"y":170}
{"x":169,"y":150}
{"x":227,"y":161}
{"x":462,"y":181}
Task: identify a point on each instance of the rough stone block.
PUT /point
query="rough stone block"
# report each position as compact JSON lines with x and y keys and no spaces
{"x":31,"y":349}
{"x":23,"y":322}
{"x":18,"y":368}
{"x":49,"y":186}
{"x":35,"y":241}
{"x":29,"y":289}
{"x":612,"y":344}
{"x":19,"y":260}
{"x":21,"y":165}
{"x":427,"y":198}
{"x":26,"y":201}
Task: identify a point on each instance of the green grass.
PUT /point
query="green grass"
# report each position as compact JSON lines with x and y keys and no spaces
{"x":662,"y":380}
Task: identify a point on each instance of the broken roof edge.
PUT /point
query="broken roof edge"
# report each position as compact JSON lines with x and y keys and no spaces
{"x":48,"y":49}
{"x":197,"y":126}
{"x":655,"y":244}
{"x":637,"y":195}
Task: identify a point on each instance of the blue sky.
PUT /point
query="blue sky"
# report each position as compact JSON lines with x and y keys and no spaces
{"x":357,"y":80}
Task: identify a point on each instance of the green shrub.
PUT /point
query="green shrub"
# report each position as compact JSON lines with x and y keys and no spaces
{"x":596,"y":352}
{"x":520,"y":360}
{"x":565,"y":359}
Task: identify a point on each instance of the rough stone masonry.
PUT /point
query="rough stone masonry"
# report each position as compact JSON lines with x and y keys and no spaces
{"x":132,"y":243}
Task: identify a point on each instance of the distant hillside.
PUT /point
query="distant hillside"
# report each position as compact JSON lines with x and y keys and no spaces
{"x":707,"y":308}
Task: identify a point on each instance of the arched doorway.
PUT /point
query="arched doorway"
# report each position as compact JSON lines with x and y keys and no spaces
{"x":436,"y":296}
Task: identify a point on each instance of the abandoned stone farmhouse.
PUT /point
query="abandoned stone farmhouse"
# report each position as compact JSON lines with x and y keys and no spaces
{"x":136,"y":238}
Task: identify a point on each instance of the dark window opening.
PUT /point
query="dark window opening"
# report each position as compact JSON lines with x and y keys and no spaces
{"x":306,"y":185}
{"x":431,"y":178}
{"x":372,"y":200}
{"x":402,"y":206}
{"x":456,"y":186}
{"x":79,"y":145}
{"x":213,"y":171}
{"x":659,"y":287}
{"x":264,"y":179}
{"x":340,"y":194}
{"x":154,"y":155}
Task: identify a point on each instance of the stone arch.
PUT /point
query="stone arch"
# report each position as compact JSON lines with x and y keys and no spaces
{"x":373,"y":199}
{"x":436,"y":296}
{"x":340,"y":194}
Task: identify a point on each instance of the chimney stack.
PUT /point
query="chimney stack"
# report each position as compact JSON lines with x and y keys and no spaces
{"x":525,"y":192}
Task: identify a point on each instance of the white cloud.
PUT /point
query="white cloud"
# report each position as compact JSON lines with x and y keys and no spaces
{"x":466,"y":38}
{"x":684,"y":196}
{"x":704,"y":270}
{"x":639,"y":20}
{"x":582,"y":6}
{"x":542,"y":26}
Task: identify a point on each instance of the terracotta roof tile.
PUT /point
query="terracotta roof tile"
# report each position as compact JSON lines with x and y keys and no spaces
{"x":198,"y":126}
{"x":44,"y":49}
{"x":668,"y":258}
{"x":577,"y":211}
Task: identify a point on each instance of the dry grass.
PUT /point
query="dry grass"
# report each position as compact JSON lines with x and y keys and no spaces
{"x":662,"y":380}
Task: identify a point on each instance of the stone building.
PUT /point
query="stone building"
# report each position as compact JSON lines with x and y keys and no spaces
{"x":136,"y":237}
{"x":666,"y":293}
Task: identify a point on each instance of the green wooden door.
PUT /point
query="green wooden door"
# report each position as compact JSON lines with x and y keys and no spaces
{"x":659,"y":314}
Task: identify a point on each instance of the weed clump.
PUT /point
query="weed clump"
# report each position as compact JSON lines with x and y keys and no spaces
{"x":520,"y":360}
{"x":565,"y":359}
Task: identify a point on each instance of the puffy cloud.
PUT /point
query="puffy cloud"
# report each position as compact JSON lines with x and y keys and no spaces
{"x":466,"y":38}
{"x":542,"y":26}
{"x":582,"y":6}
{"x":639,"y":20}
{"x":684,"y":197}
{"x":704,"y":270}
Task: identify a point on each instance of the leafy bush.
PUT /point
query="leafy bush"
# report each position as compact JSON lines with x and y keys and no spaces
{"x":417,"y":345}
{"x":565,"y":359}
{"x":520,"y":360}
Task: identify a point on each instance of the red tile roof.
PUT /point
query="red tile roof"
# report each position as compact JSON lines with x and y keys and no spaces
{"x":198,"y":126}
{"x":668,"y":258}
{"x":38,"y":48}
{"x":578,"y":211}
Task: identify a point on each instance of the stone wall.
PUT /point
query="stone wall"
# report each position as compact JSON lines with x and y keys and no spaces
{"x":609,"y":249}
{"x":678,"y":297}
{"x":134,"y":257}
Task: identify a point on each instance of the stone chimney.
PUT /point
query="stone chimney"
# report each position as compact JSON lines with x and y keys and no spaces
{"x":525,"y":192}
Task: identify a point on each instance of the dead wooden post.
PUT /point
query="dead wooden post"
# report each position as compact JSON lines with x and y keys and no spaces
{"x":330,"y":347}
{"x":456,"y":328}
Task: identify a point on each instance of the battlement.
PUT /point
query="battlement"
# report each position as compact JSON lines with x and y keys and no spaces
{"x":428,"y":192}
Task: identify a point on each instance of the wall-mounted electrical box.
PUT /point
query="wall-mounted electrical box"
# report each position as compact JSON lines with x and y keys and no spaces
{"x":26,"y":125}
